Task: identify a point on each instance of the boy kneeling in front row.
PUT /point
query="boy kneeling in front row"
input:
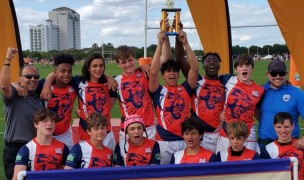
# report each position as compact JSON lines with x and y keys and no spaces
{"x":237,"y":132}
{"x":192,"y":132}
{"x":284,"y":146}
{"x":91,"y":153}
{"x":43,"y":152}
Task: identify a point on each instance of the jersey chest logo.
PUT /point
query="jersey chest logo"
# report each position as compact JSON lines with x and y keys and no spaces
{"x":255,"y":93}
{"x":286,"y":97}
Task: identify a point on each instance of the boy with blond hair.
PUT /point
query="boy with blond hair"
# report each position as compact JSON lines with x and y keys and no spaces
{"x":237,"y":132}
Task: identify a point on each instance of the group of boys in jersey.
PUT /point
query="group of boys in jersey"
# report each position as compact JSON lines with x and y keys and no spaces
{"x":208,"y":118}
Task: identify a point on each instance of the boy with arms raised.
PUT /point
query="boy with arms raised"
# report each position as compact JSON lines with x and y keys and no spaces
{"x":171,"y":101}
{"x":208,"y":100}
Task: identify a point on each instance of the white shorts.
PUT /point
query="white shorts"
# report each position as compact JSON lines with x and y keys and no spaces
{"x":250,"y":143}
{"x":210,"y":140}
{"x":109,"y":141}
{"x":66,"y":138}
{"x":151,"y":131}
{"x":168,"y":148}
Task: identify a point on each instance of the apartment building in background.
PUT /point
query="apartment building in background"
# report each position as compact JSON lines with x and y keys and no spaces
{"x":61,"y":32}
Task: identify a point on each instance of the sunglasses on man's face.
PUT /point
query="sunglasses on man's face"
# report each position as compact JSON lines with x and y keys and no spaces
{"x":30,"y":76}
{"x":275,"y":73}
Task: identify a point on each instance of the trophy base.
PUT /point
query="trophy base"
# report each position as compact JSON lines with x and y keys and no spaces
{"x":171,"y":33}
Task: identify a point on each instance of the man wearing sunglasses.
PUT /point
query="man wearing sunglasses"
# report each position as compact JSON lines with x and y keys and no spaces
{"x":279,"y":96}
{"x":19,"y":128}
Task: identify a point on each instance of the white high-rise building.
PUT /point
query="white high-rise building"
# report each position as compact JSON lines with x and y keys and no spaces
{"x":62,"y":31}
{"x":38,"y":38}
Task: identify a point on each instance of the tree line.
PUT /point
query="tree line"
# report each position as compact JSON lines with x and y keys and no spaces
{"x":108,"y":51}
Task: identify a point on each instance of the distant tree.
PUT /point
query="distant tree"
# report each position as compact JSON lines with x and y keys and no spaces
{"x":139,"y":52}
{"x":152,"y":47}
{"x":237,"y":50}
{"x":52,"y":53}
{"x":280,"y":49}
{"x":255,"y":50}
{"x":36,"y":55}
{"x":95,"y":46}
{"x":109,"y":45}
{"x":267,"y":49}
{"x":77,"y":54}
{"x":26,"y":53}
{"x":199,"y":53}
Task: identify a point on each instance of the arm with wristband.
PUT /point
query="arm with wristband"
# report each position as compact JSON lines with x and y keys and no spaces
{"x":5,"y":74}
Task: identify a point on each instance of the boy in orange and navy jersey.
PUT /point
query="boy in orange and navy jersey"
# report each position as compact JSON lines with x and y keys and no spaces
{"x":192,"y":131}
{"x":284,"y":146}
{"x":241,"y":97}
{"x":91,"y":153}
{"x":136,"y":150}
{"x":94,"y":95}
{"x":132,"y":92}
{"x":63,"y":97}
{"x":43,"y":152}
{"x":171,"y":101}
{"x":237,"y":133}
{"x":207,"y":101}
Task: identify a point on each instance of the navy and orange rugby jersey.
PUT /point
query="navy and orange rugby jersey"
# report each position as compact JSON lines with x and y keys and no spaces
{"x":134,"y":97}
{"x":85,"y":155}
{"x":172,"y":106}
{"x":240,"y":100}
{"x":62,"y":102}
{"x":208,"y":102}
{"x":43,"y":157}
{"x":93,"y":97}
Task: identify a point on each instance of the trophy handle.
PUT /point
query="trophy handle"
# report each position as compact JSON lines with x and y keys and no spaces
{"x":177,"y":20}
{"x":164,"y":14}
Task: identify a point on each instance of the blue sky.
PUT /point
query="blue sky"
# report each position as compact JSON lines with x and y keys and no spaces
{"x":122,"y":21}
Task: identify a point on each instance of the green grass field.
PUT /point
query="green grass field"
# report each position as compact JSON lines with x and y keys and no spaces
{"x":111,"y":68}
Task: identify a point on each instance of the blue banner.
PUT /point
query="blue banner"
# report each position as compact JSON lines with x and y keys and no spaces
{"x":238,"y":169}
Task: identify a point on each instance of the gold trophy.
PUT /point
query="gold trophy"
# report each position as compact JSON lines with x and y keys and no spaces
{"x":174,"y":29}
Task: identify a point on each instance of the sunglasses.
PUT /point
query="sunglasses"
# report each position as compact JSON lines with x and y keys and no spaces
{"x":30,"y":76}
{"x":275,"y":73}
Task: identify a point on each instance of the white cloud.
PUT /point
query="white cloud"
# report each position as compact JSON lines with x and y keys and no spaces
{"x":26,"y":17}
{"x":122,"y":21}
